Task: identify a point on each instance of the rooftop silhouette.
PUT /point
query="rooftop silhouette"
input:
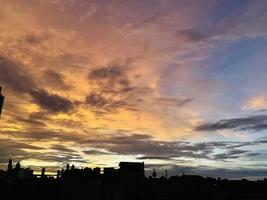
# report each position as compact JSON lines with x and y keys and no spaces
{"x":126,"y":182}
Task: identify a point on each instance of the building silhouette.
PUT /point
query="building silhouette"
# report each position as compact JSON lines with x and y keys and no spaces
{"x":110,"y":172}
{"x":2,"y":99}
{"x":10,"y":165}
{"x":128,"y":182}
{"x":134,"y":171}
{"x":18,"y":172}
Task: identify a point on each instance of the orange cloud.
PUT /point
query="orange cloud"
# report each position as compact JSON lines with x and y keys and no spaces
{"x":256,"y":103}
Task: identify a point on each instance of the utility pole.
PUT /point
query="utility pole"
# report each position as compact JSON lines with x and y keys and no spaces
{"x":2,"y":99}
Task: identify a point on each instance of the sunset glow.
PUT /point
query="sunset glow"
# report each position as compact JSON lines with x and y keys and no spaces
{"x":174,"y":84}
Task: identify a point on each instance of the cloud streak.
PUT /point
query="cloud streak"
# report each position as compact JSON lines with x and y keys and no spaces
{"x":113,"y":90}
{"x":51,"y":102}
{"x":251,"y":123}
{"x":15,"y":76}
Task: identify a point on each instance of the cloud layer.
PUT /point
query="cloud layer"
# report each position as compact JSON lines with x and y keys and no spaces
{"x":171,"y":83}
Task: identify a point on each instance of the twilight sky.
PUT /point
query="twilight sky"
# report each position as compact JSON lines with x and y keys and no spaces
{"x":178,"y":84}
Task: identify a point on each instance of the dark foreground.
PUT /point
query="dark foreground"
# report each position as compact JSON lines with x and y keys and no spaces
{"x":184,"y":187}
{"x":126,"y":183}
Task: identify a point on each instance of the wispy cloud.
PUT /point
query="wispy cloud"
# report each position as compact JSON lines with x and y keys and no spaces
{"x":51,"y":102}
{"x":15,"y":76}
{"x":250,"y":123}
{"x":130,"y":79}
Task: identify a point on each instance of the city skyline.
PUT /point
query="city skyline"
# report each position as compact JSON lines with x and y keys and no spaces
{"x":179,"y":85}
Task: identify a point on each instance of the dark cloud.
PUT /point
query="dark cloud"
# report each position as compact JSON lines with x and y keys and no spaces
{"x":232,"y":154}
{"x":39,"y":116}
{"x":29,"y":121}
{"x":13,"y":149}
{"x":127,"y":139}
{"x":96,"y":100}
{"x":39,"y":134}
{"x":36,"y":38}
{"x":17,"y":151}
{"x":176,"y":102}
{"x":251,"y":123}
{"x":144,"y":147}
{"x":134,"y":144}
{"x":55,"y":80}
{"x":109,"y":104}
{"x":61,"y":148}
{"x":96,"y":152}
{"x":51,"y":102}
{"x":110,"y":73}
{"x":114,"y":90}
{"x":259,"y":141}
{"x":14,"y":75}
{"x":137,"y":144}
{"x":59,"y":157}
{"x":192,"y":35}
{"x":112,"y":79}
{"x":153,"y":158}
{"x":150,"y":148}
{"x":253,"y":154}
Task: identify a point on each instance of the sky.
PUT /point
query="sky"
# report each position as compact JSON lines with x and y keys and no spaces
{"x":177,"y":84}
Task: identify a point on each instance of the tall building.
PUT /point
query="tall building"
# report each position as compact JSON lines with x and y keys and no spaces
{"x":2,"y":98}
{"x":131,"y":170}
